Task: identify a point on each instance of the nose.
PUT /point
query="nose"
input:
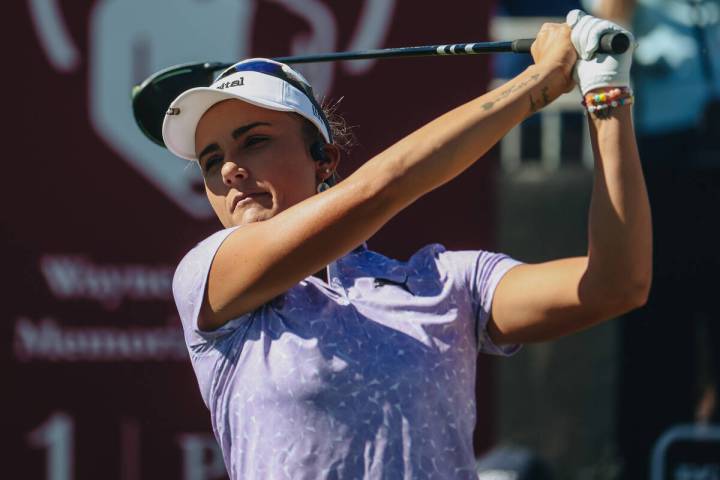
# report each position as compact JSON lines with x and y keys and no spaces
{"x":233,"y":172}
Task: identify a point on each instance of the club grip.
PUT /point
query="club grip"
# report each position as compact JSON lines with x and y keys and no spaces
{"x":612,"y":42}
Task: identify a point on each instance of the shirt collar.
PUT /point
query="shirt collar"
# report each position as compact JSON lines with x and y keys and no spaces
{"x":333,"y":269}
{"x":362,"y":262}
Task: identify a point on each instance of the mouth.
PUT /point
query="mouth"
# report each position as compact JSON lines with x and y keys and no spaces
{"x":246,"y":198}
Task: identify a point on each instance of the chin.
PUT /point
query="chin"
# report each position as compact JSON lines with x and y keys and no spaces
{"x":255,"y":216}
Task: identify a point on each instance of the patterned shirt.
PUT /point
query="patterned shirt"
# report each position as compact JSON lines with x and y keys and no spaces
{"x":368,"y":376}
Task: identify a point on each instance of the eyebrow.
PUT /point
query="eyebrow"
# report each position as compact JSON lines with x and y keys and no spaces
{"x":238,"y":132}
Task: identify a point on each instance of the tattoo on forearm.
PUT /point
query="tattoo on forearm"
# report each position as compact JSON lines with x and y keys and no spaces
{"x":546,"y":97}
{"x":535,"y":106}
{"x":513,"y":88}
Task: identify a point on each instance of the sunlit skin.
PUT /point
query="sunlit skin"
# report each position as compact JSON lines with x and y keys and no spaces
{"x":256,"y":162}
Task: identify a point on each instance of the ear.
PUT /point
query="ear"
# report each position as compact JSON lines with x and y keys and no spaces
{"x":325,"y":168}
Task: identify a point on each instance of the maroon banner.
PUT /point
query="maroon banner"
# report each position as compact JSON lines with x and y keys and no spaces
{"x":96,"y":216}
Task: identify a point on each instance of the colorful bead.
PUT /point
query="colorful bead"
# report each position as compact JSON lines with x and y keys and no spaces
{"x":601,"y":103}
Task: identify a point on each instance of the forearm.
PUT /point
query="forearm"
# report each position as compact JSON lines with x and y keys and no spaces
{"x":620,"y":11}
{"x":448,"y":145}
{"x":620,"y":233}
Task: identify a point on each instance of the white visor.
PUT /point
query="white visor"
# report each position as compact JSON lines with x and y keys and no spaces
{"x":260,"y":89}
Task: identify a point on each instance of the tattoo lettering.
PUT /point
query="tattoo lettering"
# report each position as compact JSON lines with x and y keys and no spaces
{"x":513,"y":88}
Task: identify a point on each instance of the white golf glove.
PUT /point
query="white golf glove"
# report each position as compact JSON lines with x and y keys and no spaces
{"x":597,"y":70}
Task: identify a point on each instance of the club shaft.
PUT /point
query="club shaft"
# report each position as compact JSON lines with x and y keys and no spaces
{"x":614,"y":42}
{"x":420,"y":51}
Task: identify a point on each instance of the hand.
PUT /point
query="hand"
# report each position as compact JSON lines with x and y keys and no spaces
{"x":552,"y":47}
{"x":595,"y":70}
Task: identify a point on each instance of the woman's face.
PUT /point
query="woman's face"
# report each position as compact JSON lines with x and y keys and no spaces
{"x":255,"y":161}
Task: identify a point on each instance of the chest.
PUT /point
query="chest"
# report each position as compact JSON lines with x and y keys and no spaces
{"x":385,"y":340}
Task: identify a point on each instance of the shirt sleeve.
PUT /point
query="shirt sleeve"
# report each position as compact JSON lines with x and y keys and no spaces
{"x":189,"y":284}
{"x":481,"y":272}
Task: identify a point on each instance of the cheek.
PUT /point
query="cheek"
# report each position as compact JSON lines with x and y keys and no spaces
{"x":293,"y":178}
{"x":299,"y":181}
{"x":217,"y":202}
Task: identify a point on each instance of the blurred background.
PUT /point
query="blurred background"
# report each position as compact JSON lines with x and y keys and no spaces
{"x":96,"y":217}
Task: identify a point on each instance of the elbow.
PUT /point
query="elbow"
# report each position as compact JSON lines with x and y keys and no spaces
{"x":638,"y":294}
{"x":613,"y":296}
{"x":633,"y":294}
{"x":641,"y":286}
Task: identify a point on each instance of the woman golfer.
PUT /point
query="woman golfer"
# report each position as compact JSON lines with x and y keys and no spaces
{"x":370,"y":373}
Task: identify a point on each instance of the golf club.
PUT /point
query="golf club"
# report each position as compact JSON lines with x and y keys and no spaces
{"x":150,"y":99}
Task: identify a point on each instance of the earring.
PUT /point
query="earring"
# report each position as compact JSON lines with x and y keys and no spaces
{"x":322,"y":186}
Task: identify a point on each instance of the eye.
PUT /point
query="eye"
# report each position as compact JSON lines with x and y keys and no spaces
{"x":212,"y":162}
{"x":255,"y":140}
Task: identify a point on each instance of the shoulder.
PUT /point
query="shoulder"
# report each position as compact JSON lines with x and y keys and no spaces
{"x":191,"y":274}
{"x":201,"y":254}
{"x":462,"y":263}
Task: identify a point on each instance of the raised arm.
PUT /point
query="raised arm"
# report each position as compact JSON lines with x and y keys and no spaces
{"x":261,"y":260}
{"x":549,"y":300}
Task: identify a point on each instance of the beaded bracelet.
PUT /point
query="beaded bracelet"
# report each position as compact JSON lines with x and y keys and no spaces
{"x":612,"y":104}
{"x":600,"y":103}
{"x":610,"y":94}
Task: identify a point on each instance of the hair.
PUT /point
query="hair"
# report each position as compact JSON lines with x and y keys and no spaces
{"x":341,"y":133}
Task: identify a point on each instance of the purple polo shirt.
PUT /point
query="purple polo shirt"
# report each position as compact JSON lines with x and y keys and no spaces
{"x":371,"y":376}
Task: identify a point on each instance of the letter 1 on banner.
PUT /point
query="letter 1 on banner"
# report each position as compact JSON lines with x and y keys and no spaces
{"x":56,"y":436}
